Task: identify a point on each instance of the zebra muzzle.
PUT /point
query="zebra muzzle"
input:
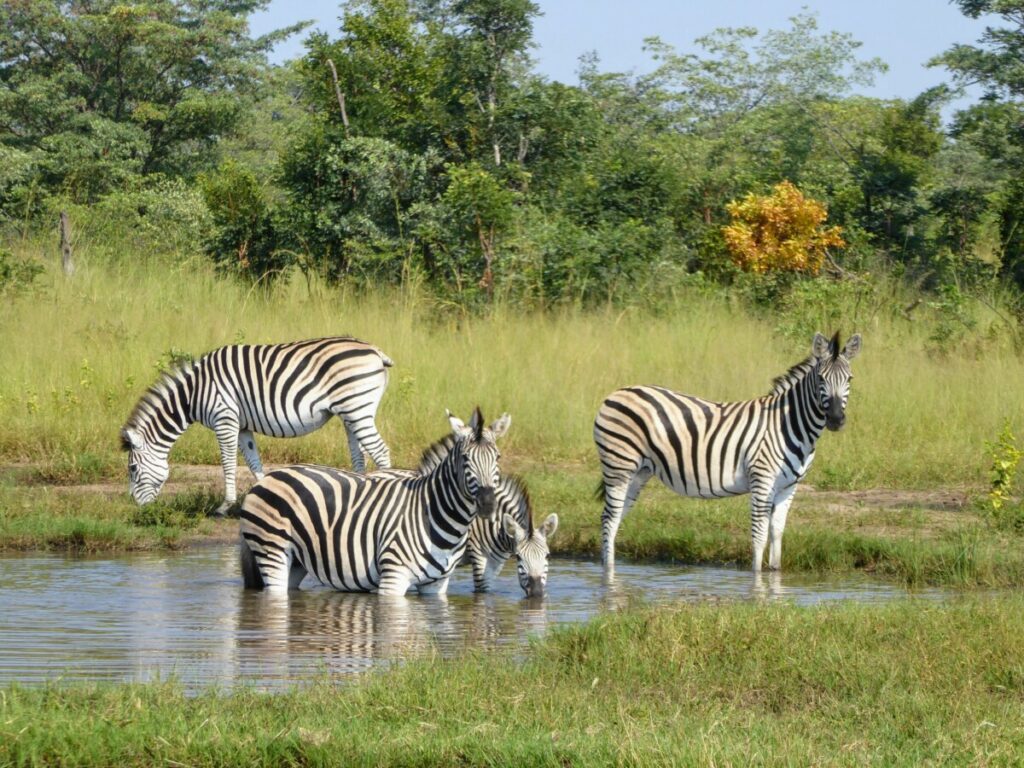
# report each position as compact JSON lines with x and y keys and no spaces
{"x":485,"y":502}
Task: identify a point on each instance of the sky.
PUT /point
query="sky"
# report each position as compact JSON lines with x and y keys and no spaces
{"x":905,"y":34}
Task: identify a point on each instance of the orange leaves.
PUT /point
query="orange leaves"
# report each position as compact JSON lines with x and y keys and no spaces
{"x":779,"y":232}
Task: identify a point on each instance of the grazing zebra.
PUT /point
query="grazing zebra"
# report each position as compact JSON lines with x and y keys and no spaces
{"x":283,"y":390}
{"x":492,"y":541}
{"x":384,"y":532}
{"x":703,"y":449}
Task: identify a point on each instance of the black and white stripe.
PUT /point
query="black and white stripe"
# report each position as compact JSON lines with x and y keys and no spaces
{"x":381,"y":532}
{"x":510,"y":532}
{"x":282,"y":390}
{"x":708,"y":450}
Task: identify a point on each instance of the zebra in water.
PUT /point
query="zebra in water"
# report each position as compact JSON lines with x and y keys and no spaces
{"x":385,"y":531}
{"x":492,"y":541}
{"x":708,"y":450}
{"x":282,"y":390}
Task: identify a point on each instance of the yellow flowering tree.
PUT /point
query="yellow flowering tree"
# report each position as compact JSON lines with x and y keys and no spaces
{"x":780,"y":232}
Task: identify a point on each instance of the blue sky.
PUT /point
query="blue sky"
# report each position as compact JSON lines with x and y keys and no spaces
{"x":903,"y":33}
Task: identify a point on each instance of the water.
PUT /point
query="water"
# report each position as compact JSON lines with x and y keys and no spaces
{"x":144,"y":617}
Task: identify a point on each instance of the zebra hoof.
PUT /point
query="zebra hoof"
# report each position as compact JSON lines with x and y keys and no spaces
{"x":226,"y":509}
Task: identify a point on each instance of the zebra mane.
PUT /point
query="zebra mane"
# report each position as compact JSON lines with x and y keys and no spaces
{"x":516,"y":484}
{"x":168,"y":378}
{"x":435,"y":454}
{"x":796,"y":373}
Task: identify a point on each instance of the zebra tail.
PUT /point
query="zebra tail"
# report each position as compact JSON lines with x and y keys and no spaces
{"x":599,"y":491}
{"x":388,"y":362}
{"x":251,"y":576}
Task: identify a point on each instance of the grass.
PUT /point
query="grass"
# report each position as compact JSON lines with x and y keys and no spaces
{"x":58,"y":519}
{"x":732,"y":684}
{"x":78,"y":354}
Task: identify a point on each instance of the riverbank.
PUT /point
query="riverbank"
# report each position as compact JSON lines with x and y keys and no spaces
{"x":905,"y":683}
{"x":936,"y":537}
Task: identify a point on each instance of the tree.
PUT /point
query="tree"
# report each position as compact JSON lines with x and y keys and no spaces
{"x":780,"y":232}
{"x":98,"y":90}
{"x":996,"y":125}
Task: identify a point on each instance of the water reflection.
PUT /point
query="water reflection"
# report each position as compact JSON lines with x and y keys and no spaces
{"x":185,"y":614}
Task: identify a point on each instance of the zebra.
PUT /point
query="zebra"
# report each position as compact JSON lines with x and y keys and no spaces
{"x":509,"y":532}
{"x":385,"y":531}
{"x":708,"y":450}
{"x":282,"y":390}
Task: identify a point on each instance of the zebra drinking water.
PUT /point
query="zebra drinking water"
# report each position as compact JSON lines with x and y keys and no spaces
{"x":282,"y":390}
{"x":708,"y":450}
{"x":383,"y":532}
{"x":492,"y":541}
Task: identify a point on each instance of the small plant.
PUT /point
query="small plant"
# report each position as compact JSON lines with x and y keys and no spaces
{"x":185,"y":510}
{"x":1005,"y":456}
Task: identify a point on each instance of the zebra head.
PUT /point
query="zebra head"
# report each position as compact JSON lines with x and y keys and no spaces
{"x":478,"y":473}
{"x":833,"y":369}
{"x":531,"y":553}
{"x":147,"y":468}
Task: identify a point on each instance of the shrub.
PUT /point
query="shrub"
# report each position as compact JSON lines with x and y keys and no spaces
{"x":779,"y":232}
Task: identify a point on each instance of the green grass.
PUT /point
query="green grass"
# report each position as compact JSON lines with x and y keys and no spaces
{"x":78,"y":353}
{"x":42,"y":518}
{"x":907,"y":683}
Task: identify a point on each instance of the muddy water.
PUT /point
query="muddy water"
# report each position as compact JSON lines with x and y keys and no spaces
{"x":186,"y":615}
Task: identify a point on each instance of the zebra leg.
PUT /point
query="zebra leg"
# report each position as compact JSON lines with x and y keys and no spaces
{"x":760,"y":511}
{"x":439,"y":587}
{"x":363,"y":432}
{"x":273,"y":564}
{"x":226,"y":429}
{"x":247,"y":443}
{"x":358,"y":457}
{"x":777,"y":525}
{"x":619,"y":498}
{"x":251,"y":576}
{"x":394,"y":582}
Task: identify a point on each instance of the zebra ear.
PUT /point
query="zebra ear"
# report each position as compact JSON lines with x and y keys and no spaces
{"x":852,"y":347}
{"x":130,"y":439}
{"x":458,"y":426}
{"x":513,"y":529}
{"x":819,"y":347}
{"x":550,"y":526}
{"x":500,"y":427}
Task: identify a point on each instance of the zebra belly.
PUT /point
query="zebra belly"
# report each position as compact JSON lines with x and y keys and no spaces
{"x":703,"y":486}
{"x":286,"y":424}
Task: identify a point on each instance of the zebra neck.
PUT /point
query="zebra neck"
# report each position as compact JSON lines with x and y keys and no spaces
{"x":449,"y":510}
{"x":803,"y":412}
{"x":166,"y":411}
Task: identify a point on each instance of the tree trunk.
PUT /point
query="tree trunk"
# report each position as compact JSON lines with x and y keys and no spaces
{"x":65,"y":244}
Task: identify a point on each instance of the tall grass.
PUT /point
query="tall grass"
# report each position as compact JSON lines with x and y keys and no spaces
{"x":79,"y":352}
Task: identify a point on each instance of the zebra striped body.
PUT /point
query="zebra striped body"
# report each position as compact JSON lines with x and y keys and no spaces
{"x":492,"y":541}
{"x":709,"y":450}
{"x":282,"y":390}
{"x":381,"y":532}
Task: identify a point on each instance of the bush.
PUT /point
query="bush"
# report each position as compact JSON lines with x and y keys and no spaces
{"x":17,"y":275}
{"x":245,"y":238}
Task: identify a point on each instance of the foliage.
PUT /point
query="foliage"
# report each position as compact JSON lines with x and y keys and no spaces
{"x":245,"y":239}
{"x":1005,"y":457}
{"x":17,"y":274}
{"x":97,"y":92}
{"x":780,"y":232}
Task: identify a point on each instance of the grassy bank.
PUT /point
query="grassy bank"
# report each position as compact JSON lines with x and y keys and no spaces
{"x":79,"y":352}
{"x":734,"y":684}
{"x":901,"y":536}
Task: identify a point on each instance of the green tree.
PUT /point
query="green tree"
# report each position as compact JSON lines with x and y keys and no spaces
{"x":996,"y":125}
{"x":98,"y":90}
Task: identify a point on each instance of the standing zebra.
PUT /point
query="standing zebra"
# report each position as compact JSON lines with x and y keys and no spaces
{"x":283,"y":390}
{"x":707,"y":450}
{"x":383,"y":532}
{"x":492,"y":541}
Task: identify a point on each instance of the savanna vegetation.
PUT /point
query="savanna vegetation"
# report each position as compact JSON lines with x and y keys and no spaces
{"x":530,"y":245}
